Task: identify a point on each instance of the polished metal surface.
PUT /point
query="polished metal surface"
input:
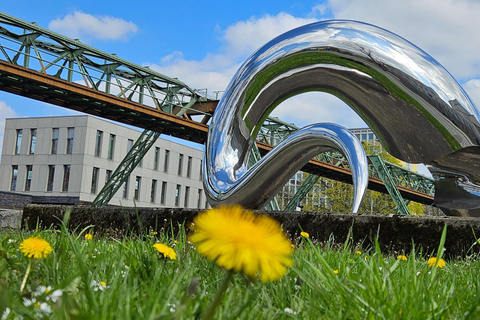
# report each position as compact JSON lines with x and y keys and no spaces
{"x":229,"y":181}
{"x":416,"y":108}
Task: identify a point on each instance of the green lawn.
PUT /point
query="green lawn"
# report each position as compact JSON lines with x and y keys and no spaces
{"x":104,"y":278}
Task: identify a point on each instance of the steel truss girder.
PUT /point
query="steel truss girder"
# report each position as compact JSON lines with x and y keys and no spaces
{"x":274,"y":131}
{"x":125,"y":168}
{"x":255,"y":156}
{"x":33,"y":47}
{"x":389,"y":182}
{"x":301,"y":193}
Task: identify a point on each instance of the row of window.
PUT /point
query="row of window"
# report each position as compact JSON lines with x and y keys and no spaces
{"x":366,"y":136}
{"x":156,"y":155}
{"x":51,"y":175}
{"x":98,"y":149}
{"x":153,"y":189}
{"x":54,"y":143}
{"x":108,"y":174}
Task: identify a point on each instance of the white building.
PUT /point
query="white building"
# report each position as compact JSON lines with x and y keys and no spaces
{"x":74,"y":156}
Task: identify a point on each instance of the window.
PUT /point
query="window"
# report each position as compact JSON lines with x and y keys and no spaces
{"x":125,"y":188}
{"x":28,"y":178}
{"x":370,"y":136}
{"x":155,"y":159}
{"x":54,"y":140}
{"x":164,"y":192}
{"x":187,"y":194}
{"x":51,"y":174}
{"x":19,"y":141}
{"x":189,"y":166}
{"x":108,"y":175}
{"x":129,"y":144}
{"x":201,"y":163}
{"x":33,"y":140}
{"x":66,"y":177}
{"x":137,"y":187}
{"x":199,"y":198}
{"x":98,"y":143}
{"x":364,"y":137}
{"x":165,"y":164}
{"x":180,"y":164}
{"x":13,"y":185}
{"x":93,"y":189}
{"x":70,"y":134}
{"x":153,"y":192}
{"x":177,"y":195}
{"x":111,"y":147}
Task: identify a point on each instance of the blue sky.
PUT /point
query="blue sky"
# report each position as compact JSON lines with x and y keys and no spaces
{"x":204,"y":42}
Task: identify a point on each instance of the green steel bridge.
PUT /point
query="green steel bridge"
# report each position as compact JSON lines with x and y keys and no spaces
{"x":42,"y":65}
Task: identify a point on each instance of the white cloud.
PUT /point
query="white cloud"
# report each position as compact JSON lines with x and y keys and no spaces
{"x":245,"y":37}
{"x":446,"y":29}
{"x":238,"y":42}
{"x":85,"y":26}
{"x":5,"y":112}
{"x":472,"y":87}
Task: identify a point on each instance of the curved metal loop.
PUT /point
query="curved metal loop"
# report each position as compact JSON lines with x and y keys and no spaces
{"x":415,"y":107}
{"x":257,"y":186}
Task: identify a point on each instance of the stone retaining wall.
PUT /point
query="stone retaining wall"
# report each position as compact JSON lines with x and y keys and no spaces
{"x":15,"y":200}
{"x":395,"y":233}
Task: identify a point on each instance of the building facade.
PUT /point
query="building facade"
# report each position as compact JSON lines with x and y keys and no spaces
{"x":74,"y":156}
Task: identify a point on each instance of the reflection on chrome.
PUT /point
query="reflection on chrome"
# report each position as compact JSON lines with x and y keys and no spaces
{"x":415,"y":107}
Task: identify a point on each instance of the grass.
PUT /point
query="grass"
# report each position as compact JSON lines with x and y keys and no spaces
{"x":138,"y":283}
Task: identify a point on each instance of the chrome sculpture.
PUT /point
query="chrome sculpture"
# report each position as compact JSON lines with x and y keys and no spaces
{"x":415,"y":107}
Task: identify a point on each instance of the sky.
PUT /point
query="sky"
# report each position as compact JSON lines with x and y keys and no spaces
{"x":203,"y":43}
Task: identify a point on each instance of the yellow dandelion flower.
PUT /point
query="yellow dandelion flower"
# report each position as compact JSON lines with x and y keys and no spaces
{"x":242,"y":241}
{"x":88,"y":236}
{"x":35,"y":248}
{"x":165,"y":250}
{"x":305,"y":234}
{"x":431,"y":262}
{"x":358,"y":252}
{"x":402,"y":257}
{"x":153,"y":232}
{"x":335,"y":271}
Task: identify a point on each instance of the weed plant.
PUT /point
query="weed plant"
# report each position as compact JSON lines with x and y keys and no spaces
{"x":104,"y":278}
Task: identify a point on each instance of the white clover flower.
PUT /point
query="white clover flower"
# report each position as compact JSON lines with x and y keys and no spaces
{"x":55,"y":295}
{"x":29,"y":302}
{"x":289,"y":311}
{"x":44,"y":307}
